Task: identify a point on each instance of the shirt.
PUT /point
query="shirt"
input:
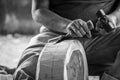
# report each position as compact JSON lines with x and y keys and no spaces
{"x":82,"y":9}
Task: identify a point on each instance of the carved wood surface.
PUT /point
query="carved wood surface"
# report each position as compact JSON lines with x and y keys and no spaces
{"x":63,"y":61}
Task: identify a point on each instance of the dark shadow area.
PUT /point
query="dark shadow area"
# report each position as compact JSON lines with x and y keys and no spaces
{"x":15,"y":17}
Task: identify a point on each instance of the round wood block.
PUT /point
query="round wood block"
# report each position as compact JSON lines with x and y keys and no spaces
{"x":62,"y":61}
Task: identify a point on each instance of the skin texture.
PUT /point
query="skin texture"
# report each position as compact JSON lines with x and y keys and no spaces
{"x":49,"y":19}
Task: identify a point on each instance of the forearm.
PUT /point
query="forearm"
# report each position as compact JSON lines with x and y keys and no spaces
{"x":116,"y":14}
{"x":48,"y":18}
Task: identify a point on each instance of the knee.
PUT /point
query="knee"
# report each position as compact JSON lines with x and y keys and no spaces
{"x":43,"y":37}
{"x":37,"y":39}
{"x":27,"y":68}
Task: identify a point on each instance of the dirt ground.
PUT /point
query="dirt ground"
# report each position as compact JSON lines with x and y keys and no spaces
{"x":11,"y":49}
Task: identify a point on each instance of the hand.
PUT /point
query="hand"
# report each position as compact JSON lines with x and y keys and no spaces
{"x":111,"y":21}
{"x":80,"y":28}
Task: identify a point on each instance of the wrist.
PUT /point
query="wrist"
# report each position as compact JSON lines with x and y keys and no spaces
{"x":67,"y":22}
{"x":116,"y":18}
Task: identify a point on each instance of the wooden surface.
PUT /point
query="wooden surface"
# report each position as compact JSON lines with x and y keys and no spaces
{"x":63,"y":61}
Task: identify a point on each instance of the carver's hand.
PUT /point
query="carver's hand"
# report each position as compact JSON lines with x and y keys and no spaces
{"x":112,"y":20}
{"x":112,"y":23}
{"x":80,"y":28}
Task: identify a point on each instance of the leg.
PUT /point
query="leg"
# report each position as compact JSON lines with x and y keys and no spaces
{"x":102,"y":52}
{"x":27,"y":65}
{"x":115,"y":69}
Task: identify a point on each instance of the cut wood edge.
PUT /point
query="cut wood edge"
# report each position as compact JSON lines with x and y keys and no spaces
{"x":76,"y":46}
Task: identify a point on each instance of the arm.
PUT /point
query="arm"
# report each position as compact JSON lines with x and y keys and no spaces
{"x":49,"y":19}
{"x":115,"y":15}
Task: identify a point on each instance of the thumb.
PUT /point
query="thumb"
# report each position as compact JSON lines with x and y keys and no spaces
{"x":90,"y":24}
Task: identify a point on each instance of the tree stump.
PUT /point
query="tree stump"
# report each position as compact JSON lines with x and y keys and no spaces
{"x":62,"y":61}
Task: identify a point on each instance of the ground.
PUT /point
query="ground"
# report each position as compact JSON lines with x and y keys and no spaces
{"x":11,"y":49}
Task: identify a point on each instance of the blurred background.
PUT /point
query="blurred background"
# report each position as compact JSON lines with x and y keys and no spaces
{"x":15,"y":17}
{"x":16,"y":29}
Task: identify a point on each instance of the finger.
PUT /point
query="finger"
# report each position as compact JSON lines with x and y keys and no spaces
{"x":79,"y":28}
{"x":84,"y":26}
{"x":88,"y":32}
{"x":89,"y":35}
{"x":75,"y":32}
{"x":90,"y":24}
{"x":86,"y":29}
{"x":79,"y":34}
{"x":97,"y":28}
{"x":71,"y":32}
{"x":111,"y":25}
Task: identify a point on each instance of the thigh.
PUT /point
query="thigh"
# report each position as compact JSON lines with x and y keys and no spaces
{"x":102,"y":50}
{"x":28,"y":62}
{"x":36,"y":44}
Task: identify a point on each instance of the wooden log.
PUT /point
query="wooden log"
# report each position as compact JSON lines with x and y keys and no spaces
{"x":62,"y":61}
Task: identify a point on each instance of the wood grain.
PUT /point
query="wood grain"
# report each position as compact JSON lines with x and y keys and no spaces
{"x":62,"y":61}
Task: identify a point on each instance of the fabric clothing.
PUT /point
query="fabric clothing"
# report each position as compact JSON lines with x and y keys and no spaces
{"x":6,"y":77}
{"x":28,"y":62}
{"x":108,"y":77}
{"x":101,"y":53}
{"x":6,"y":73}
{"x":80,"y":9}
